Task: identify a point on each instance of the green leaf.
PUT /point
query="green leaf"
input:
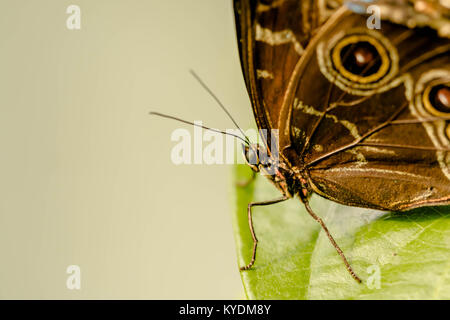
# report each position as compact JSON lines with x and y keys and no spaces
{"x":397,"y":255}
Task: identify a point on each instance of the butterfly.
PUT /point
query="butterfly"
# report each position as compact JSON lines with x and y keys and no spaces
{"x":362,"y":114}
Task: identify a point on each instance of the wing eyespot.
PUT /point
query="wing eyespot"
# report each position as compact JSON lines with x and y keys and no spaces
{"x":436,"y":101}
{"x":432,"y":99}
{"x":436,"y":98}
{"x":447,"y":130}
{"x":358,"y":61}
{"x":361,"y":59}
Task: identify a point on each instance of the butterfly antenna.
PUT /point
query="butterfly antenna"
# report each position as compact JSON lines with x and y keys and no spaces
{"x":203,"y":84}
{"x":198,"y":125}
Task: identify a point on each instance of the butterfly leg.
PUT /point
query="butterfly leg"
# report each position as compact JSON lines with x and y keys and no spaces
{"x":245,"y":183}
{"x":335,"y":245}
{"x":252,"y":230}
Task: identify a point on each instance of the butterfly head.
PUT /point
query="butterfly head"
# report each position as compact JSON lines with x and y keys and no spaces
{"x":251,"y":156}
{"x":276,"y":171}
{"x":260,"y":160}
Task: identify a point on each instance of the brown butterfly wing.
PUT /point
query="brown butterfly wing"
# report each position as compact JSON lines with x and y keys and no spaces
{"x":380,"y":148}
{"x":272,"y":36}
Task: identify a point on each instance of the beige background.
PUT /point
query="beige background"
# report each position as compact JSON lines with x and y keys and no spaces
{"x":86,"y":176}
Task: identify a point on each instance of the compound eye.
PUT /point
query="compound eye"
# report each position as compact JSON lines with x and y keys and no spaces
{"x":361,"y":58}
{"x":251,"y":155}
{"x":436,"y":99}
